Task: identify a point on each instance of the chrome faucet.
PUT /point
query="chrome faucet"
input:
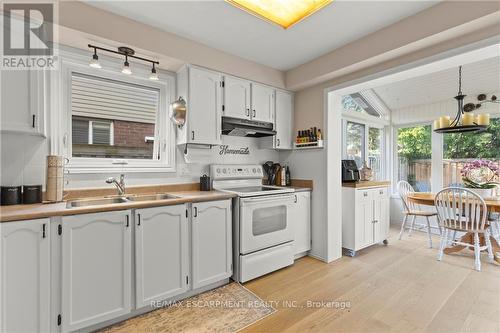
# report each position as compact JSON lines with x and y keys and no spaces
{"x":120,"y":186}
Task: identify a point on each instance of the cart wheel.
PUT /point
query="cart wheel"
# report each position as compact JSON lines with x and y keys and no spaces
{"x":385,"y":242}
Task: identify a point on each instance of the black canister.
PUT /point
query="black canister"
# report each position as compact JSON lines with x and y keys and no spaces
{"x":205,"y":183}
{"x":32,"y":194}
{"x":10,"y":195}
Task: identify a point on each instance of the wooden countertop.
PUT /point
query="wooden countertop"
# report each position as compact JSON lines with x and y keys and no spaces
{"x":367,"y":183}
{"x":43,"y":210}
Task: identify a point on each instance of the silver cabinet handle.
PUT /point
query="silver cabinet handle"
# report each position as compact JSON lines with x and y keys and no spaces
{"x":254,"y":113}
{"x":192,"y":135}
{"x":381,"y":192}
{"x":127,"y":224}
{"x":247,"y":113}
{"x":365,"y":194}
{"x":195,"y":211}
{"x":138,"y":219}
{"x":277,"y":142}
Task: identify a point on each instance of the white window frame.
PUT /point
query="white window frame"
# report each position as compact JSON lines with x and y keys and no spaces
{"x":436,"y":155}
{"x":368,"y":121}
{"x":76,"y":61}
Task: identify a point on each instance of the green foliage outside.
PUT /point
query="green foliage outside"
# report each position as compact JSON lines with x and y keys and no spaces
{"x":415,"y":143}
{"x":485,"y":145}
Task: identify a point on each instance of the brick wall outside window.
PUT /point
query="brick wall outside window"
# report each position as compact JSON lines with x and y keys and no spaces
{"x":132,"y":134}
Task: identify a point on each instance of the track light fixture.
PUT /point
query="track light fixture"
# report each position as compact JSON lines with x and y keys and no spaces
{"x":128,"y":53}
{"x":126,"y":67}
{"x":153,"y":75}
{"x":95,"y":60}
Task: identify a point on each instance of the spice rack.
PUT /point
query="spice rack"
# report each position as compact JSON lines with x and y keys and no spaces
{"x":309,"y":145}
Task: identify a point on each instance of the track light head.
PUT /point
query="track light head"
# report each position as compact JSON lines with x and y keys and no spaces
{"x":126,"y":67}
{"x":153,"y":75}
{"x":94,"y":63}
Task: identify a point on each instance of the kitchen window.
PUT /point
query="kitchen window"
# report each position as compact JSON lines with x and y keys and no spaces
{"x":117,"y":122}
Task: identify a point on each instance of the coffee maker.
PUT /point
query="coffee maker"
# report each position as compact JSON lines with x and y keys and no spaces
{"x":350,"y":172}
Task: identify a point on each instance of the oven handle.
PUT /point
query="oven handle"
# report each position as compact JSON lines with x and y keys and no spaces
{"x":267,"y":199}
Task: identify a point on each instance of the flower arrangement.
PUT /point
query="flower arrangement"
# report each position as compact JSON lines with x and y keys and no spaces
{"x":479,"y":174}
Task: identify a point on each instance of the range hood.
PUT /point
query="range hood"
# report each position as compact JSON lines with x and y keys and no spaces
{"x":245,"y":127}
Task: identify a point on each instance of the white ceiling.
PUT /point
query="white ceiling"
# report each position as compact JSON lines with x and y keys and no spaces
{"x":224,"y":27}
{"x":477,"y":77}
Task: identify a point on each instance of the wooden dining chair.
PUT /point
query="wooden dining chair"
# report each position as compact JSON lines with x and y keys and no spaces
{"x":460,"y":209}
{"x":413,"y":210}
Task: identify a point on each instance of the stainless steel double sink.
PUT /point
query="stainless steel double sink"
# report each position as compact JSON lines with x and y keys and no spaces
{"x":119,"y":199}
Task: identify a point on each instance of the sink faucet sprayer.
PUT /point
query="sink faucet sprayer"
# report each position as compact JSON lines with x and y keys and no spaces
{"x":120,"y":186}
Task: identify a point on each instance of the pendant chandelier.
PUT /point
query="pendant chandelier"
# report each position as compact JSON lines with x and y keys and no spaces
{"x":465,"y":120}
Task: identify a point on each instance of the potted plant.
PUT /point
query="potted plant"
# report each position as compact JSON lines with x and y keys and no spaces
{"x":478,"y":176}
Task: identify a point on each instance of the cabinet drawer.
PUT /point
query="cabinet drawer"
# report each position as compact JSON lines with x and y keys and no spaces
{"x":381,"y":192}
{"x":363,"y":195}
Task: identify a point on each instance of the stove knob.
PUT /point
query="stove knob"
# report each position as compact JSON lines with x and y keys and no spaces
{"x":218,"y":170}
{"x":223,"y":170}
{"x":254,"y":170}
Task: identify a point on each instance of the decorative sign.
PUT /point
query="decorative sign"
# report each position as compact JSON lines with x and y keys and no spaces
{"x":225,"y":150}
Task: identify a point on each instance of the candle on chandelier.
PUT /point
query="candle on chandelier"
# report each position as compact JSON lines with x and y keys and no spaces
{"x":468,"y":119}
{"x":483,"y":119}
{"x":444,"y":121}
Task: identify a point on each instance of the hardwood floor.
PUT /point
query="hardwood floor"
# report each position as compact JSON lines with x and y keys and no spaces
{"x":396,"y":288}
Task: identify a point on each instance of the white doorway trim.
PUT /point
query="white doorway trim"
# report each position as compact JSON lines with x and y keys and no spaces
{"x":333,"y":121}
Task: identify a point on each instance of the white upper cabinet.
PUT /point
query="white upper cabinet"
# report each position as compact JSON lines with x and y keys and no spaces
{"x":236,"y":98}
{"x":284,"y":120}
{"x":22,"y":102}
{"x":202,"y":90}
{"x":262,"y":103}
{"x":211,"y":242}
{"x":96,"y":268}
{"x":25,"y":279}
{"x":161,"y":253}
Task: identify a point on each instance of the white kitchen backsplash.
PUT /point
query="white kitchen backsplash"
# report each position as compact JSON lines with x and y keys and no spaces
{"x":23,"y":162}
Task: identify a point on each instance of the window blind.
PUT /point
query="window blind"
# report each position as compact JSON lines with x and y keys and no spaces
{"x":101,"y":98}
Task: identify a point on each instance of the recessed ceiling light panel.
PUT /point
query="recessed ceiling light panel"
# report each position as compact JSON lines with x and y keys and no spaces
{"x":284,"y":13}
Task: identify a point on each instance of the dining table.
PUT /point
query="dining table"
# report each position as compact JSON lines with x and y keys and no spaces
{"x":427,"y":199}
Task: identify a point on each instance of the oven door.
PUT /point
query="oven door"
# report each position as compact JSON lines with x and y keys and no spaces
{"x":265,"y":222}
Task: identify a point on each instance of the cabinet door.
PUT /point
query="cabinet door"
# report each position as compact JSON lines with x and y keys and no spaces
{"x":25,"y":278}
{"x":22,"y":102}
{"x":364,"y":218}
{"x":236,"y":98}
{"x":204,"y":107}
{"x":380,"y":214}
{"x":96,"y":268}
{"x":302,"y":222}
{"x":161,"y":251}
{"x":211,"y":242}
{"x":284,"y":120}
{"x":262,"y":103}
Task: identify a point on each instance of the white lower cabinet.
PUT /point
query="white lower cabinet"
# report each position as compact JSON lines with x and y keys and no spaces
{"x":365,"y":217}
{"x":161,"y":253}
{"x":25,"y":276}
{"x":96,"y":268}
{"x":301,"y":218}
{"x":211,"y":242}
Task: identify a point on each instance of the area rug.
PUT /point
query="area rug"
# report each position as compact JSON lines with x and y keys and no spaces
{"x":226,"y":309}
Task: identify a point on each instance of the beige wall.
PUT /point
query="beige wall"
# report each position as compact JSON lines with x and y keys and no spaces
{"x":309,"y":101}
{"x":83,"y":24}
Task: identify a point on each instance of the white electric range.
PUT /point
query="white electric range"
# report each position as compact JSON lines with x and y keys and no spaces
{"x":262,"y":232}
